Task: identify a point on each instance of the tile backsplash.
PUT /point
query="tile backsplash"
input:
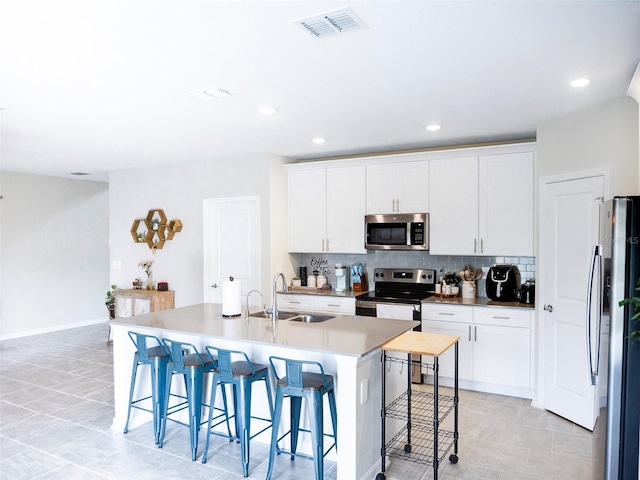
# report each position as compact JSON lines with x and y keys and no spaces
{"x":413,"y":259}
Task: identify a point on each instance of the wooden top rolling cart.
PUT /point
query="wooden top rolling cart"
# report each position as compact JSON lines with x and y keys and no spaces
{"x":421,"y":439}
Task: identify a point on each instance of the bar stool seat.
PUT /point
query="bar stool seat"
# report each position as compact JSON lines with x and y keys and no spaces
{"x":193,"y":366}
{"x":241,"y":374}
{"x":299,"y":384}
{"x":158,"y":358}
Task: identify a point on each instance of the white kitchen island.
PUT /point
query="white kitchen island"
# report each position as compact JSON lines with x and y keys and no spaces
{"x":348,"y":346}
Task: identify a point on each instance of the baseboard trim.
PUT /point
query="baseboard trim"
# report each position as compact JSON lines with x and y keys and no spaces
{"x":65,"y":326}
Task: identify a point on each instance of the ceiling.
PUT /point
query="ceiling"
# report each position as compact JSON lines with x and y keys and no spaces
{"x":92,"y":86}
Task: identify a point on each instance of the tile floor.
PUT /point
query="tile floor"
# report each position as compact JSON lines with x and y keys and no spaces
{"x":56,"y":408}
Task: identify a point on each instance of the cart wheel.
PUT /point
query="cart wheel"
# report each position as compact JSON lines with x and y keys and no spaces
{"x":453,"y":458}
{"x":381,"y":476}
{"x":407,"y":448}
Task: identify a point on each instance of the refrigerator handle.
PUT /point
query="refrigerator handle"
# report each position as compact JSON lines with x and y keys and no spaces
{"x":596,"y":257}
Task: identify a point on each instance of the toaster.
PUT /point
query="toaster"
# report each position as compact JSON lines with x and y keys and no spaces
{"x":503,"y":283}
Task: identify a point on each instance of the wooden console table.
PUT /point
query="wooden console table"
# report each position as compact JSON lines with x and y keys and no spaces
{"x":132,"y":302}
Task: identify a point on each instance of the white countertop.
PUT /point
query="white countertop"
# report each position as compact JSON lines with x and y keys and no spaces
{"x":350,"y":335}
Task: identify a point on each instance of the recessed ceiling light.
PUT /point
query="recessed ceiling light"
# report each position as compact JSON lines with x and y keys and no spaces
{"x":433,"y":128}
{"x":580,"y":82}
{"x":267,"y":110}
{"x":318,"y":141}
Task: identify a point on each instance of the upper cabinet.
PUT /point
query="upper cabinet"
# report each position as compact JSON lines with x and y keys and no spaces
{"x":480,"y":200}
{"x":326,"y":209}
{"x":482,"y":205}
{"x":398,"y":187}
{"x":505,"y":204}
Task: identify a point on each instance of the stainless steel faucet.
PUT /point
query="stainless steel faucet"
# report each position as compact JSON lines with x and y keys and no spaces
{"x":264,"y":307}
{"x":274,"y":309}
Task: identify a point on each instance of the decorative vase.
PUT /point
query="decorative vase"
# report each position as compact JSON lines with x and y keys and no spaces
{"x":150,"y":284}
{"x":468,"y":289}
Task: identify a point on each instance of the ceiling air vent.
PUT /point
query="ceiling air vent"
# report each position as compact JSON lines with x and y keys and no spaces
{"x":330,"y":23}
{"x":211,"y":93}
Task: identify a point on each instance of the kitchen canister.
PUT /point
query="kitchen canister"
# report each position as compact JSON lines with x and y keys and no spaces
{"x":311,"y":281}
{"x":231,"y":298}
{"x":321,"y":281}
{"x":468,"y":289}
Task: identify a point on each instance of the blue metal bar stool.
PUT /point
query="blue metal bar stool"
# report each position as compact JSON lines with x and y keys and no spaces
{"x":193,"y":366}
{"x":299,"y":384}
{"x":241,"y":373}
{"x":157,"y":357}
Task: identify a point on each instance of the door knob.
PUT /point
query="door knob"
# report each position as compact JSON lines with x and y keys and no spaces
{"x":549,"y":308}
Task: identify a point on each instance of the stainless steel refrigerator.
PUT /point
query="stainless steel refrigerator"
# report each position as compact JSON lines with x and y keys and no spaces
{"x":616,"y":268}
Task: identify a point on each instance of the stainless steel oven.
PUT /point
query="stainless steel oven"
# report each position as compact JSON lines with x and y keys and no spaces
{"x":398,"y":294}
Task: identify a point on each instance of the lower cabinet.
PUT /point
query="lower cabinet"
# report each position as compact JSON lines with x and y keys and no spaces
{"x":317,"y":303}
{"x":132,"y":302}
{"x":495,"y":347}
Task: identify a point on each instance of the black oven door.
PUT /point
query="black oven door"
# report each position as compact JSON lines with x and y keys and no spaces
{"x":366,"y":308}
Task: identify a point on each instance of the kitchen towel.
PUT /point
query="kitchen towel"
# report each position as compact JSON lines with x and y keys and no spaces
{"x":231,"y":298}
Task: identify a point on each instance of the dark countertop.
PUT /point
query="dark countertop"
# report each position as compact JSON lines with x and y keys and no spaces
{"x":476,"y":302}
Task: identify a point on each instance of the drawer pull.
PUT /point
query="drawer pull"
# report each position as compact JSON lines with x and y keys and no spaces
{"x":501,"y":318}
{"x":291,"y":301}
{"x":445,"y":313}
{"x":332,"y":305}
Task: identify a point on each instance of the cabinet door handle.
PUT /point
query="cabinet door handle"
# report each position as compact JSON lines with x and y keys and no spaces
{"x":481,"y":245}
{"x":469,"y":332}
{"x":475,"y":334}
{"x":397,"y":205}
{"x":475,"y":245}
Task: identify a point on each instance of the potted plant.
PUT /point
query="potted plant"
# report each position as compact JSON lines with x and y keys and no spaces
{"x":296,"y":282}
{"x":451,"y":279}
{"x":635,"y":303}
{"x":110,"y":302}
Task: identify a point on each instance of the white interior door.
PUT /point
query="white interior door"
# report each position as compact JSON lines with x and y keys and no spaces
{"x":231,"y":245}
{"x":570,"y":229}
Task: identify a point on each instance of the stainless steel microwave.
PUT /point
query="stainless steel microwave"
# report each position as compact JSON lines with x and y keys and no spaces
{"x":397,"y":231}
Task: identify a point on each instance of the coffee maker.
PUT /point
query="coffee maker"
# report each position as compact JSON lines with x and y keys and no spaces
{"x":342,"y":278}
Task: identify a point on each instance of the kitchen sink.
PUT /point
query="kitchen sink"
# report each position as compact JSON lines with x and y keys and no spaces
{"x":310,"y":318}
{"x":281,"y":315}
{"x":295,"y":316}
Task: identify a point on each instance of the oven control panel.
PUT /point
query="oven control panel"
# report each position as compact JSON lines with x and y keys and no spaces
{"x":422,"y":276}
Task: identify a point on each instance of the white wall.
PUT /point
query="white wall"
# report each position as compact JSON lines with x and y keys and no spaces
{"x":600,"y":137}
{"x":179,"y":190}
{"x":54,"y":253}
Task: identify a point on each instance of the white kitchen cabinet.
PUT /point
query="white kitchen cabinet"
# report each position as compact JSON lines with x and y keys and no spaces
{"x":453,"y":203}
{"x":482,"y":205}
{"x":505,"y":204}
{"x":494,"y":348}
{"x":307,"y":210}
{"x":326,"y":210}
{"x":316,"y":303}
{"x":398,"y":187}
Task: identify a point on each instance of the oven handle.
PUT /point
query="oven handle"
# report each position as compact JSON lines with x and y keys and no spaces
{"x":372,"y":304}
